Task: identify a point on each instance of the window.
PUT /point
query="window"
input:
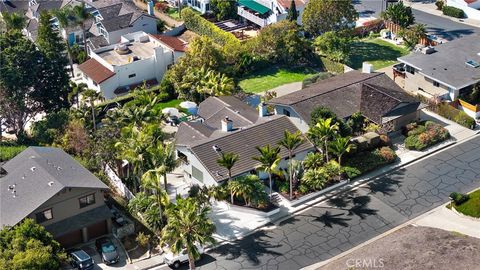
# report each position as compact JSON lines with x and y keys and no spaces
{"x":87,"y":200}
{"x":410,"y":69}
{"x":197,"y":174}
{"x":94,"y":83}
{"x":286,"y":112}
{"x":44,"y":215}
{"x":132,"y":75}
{"x":436,"y":84}
{"x":207,"y":7}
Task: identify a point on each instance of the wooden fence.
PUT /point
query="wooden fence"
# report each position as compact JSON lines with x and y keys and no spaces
{"x":395,"y":28}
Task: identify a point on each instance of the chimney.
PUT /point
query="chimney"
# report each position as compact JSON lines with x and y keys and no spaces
{"x":150,"y":8}
{"x":227,"y":124}
{"x":367,"y":68}
{"x":262,"y":109}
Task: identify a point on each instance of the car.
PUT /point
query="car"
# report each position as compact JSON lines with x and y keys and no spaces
{"x":176,"y":260}
{"x":107,"y":250}
{"x":80,"y":259}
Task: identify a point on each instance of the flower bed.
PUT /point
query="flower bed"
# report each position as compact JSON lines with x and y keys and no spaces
{"x":367,"y":161}
{"x":421,"y":136}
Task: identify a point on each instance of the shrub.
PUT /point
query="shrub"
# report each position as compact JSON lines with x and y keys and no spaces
{"x":284,"y":187}
{"x":8,"y":152}
{"x":386,"y":153}
{"x":316,"y":78}
{"x":364,"y":162}
{"x":426,"y":135}
{"x":453,"y":12}
{"x":303,"y":189}
{"x":161,"y":6}
{"x":459,"y":198}
{"x":385,"y":140}
{"x":199,"y":25}
{"x":439,"y":4}
{"x":331,"y":66}
{"x":455,"y":115}
{"x":351,"y":172}
{"x":416,"y":131}
{"x":142,"y":239}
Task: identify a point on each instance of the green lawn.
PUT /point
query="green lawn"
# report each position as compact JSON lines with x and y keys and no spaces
{"x":173,"y":13}
{"x":472,"y":206}
{"x":9,"y":152}
{"x":171,"y":103}
{"x":375,"y":51}
{"x":269,"y":78}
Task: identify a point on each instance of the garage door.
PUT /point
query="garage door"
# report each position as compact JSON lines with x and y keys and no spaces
{"x":70,"y":239}
{"x":97,"y":229}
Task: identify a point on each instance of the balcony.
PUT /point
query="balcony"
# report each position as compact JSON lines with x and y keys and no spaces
{"x":254,"y":12}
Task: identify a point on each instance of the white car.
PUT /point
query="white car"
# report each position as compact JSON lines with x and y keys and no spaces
{"x":176,"y":260}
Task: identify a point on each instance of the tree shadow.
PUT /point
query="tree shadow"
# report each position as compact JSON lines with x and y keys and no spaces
{"x":363,"y":51}
{"x":387,"y":185}
{"x":252,"y":247}
{"x":204,"y":260}
{"x":329,"y":219}
{"x":449,"y":34}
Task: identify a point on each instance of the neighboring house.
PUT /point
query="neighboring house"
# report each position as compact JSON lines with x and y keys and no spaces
{"x":49,"y":186}
{"x":229,"y":125}
{"x":471,"y":8}
{"x":139,"y":57}
{"x":446,"y":70}
{"x":374,"y":95}
{"x":202,"y":6}
{"x":114,"y":18}
{"x":265,"y":12}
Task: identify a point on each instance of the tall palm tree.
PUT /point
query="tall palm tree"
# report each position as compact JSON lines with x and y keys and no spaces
{"x":81,"y":16}
{"x":13,"y":21}
{"x":77,"y":89}
{"x":162,"y":160}
{"x":340,"y":146}
{"x":151,"y":182}
{"x":188,"y":226}
{"x":228,"y":160}
{"x":322,"y":132}
{"x":147,"y":206}
{"x":91,"y":96}
{"x":269,"y":159}
{"x":63,"y":18}
{"x":291,"y":141}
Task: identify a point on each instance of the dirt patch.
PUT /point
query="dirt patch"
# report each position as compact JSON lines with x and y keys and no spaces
{"x":414,"y":248}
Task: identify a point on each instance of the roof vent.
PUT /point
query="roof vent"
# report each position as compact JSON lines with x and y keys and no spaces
{"x":428,"y":50}
{"x":59,"y":168}
{"x":33,"y":169}
{"x":32,"y":157}
{"x":50,"y":183}
{"x":216,"y":148}
{"x":472,"y":63}
{"x":11,"y":187}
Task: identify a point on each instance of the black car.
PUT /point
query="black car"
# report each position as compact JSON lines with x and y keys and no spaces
{"x":107,"y":250}
{"x":80,"y":260}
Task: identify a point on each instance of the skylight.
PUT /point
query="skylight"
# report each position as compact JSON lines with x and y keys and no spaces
{"x":472,"y":63}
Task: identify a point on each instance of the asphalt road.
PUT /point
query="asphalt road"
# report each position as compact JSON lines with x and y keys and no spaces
{"x":342,"y":223}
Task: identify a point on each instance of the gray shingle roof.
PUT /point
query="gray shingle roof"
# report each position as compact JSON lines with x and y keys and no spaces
{"x":39,"y":173}
{"x":447,"y":64}
{"x":373,"y":94}
{"x":189,"y":133}
{"x":269,"y":130}
{"x":118,"y":14}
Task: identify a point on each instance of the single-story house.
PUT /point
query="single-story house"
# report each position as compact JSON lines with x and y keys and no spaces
{"x":49,"y":186}
{"x":228,"y":125}
{"x":374,"y":95}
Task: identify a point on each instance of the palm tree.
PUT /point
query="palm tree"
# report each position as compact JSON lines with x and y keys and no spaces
{"x":77,"y":89}
{"x":341,"y":146}
{"x":63,"y":18}
{"x":81,"y":16}
{"x":228,"y":160}
{"x":148,"y":206}
{"x":322,"y":132}
{"x":313,"y":160}
{"x":13,"y":21}
{"x":188,"y":226}
{"x":291,"y":141}
{"x":91,"y":97}
{"x":235,"y":188}
{"x":151,"y":181}
{"x":162,"y":160}
{"x":269,"y":159}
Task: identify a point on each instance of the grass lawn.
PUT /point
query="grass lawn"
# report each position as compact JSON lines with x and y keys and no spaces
{"x":472,"y":206}
{"x":378,"y":52}
{"x":173,"y":12}
{"x":171,"y":103}
{"x":9,"y":152}
{"x":272,"y":77}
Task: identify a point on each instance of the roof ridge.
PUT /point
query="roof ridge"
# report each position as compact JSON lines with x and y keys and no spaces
{"x":337,"y":88}
{"x":233,"y":111}
{"x":197,"y":131}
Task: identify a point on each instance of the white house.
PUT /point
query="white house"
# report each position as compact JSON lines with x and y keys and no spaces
{"x":139,"y":57}
{"x":265,"y":12}
{"x":228,"y":125}
{"x":471,"y":8}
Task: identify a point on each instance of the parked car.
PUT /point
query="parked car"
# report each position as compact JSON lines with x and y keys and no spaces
{"x":176,"y":260}
{"x":79,"y":259}
{"x":108,"y":251}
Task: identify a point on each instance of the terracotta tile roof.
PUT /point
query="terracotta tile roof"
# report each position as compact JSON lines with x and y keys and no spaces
{"x":470,"y":1}
{"x":174,"y":43}
{"x":96,"y":71}
{"x":286,"y":3}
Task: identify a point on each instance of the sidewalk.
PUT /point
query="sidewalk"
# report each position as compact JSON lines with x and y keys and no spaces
{"x":430,"y":7}
{"x":146,"y":264}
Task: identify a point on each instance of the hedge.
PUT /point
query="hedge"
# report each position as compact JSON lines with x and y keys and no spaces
{"x":199,"y":25}
{"x":331,"y":66}
{"x":458,"y":116}
{"x":8,"y":152}
{"x":453,"y":12}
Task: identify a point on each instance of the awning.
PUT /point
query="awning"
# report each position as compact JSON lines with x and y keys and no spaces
{"x":254,"y":6}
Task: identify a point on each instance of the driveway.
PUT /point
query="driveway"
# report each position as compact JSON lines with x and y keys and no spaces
{"x":341,"y":223}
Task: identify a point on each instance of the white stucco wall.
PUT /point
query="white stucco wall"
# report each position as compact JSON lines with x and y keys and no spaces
{"x":294,"y":117}
{"x":471,"y":10}
{"x":144,"y":23}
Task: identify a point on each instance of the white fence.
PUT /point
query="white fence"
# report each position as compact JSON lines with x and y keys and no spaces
{"x":118,"y":184}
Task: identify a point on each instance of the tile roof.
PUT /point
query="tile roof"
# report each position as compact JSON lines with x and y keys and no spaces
{"x":190,"y":133}
{"x":286,"y":3}
{"x":373,"y":94}
{"x":213,"y":105}
{"x":173,"y":43}
{"x":39,"y":173}
{"x":243,"y":142}
{"x":118,"y":14}
{"x":96,"y":71}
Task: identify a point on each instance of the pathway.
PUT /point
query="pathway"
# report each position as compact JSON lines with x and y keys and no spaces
{"x":162,"y":16}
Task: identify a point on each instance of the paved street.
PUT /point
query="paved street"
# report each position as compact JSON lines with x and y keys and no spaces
{"x":342,"y":223}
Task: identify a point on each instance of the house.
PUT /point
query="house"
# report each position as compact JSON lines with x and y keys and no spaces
{"x":202,"y":6}
{"x":374,"y":95}
{"x":265,"y":12}
{"x":446,"y":70}
{"x":49,"y":186}
{"x":139,"y":57}
{"x":228,"y":125}
{"x":471,"y":8}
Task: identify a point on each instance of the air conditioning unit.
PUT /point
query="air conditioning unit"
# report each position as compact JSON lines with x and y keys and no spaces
{"x":428,"y":50}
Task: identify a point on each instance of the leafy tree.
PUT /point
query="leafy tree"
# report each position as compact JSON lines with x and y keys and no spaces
{"x":399,"y":14}
{"x":13,"y":21}
{"x":334,"y":46}
{"x":269,"y":159}
{"x":76,"y":139}
{"x":28,"y":245}
{"x":292,"y":12}
{"x":188,"y":225}
{"x":412,"y":35}
{"x":322,"y":133}
{"x":45,"y":131}
{"x":321,"y":16}
{"x":224,"y":9}
{"x":81,"y":15}
{"x":340,"y":146}
{"x":160,"y":26}
{"x":291,"y":141}
{"x":356,"y":122}
{"x":63,"y":18}
{"x":321,"y":112}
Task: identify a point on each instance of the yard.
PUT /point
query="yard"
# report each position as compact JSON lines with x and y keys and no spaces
{"x":472,"y":206}
{"x":272,"y":77}
{"x":378,"y":52}
{"x":171,"y":103}
{"x":173,"y":13}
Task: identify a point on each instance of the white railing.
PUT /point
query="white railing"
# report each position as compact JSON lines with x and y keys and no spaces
{"x":118,"y":184}
{"x":251,"y":17}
